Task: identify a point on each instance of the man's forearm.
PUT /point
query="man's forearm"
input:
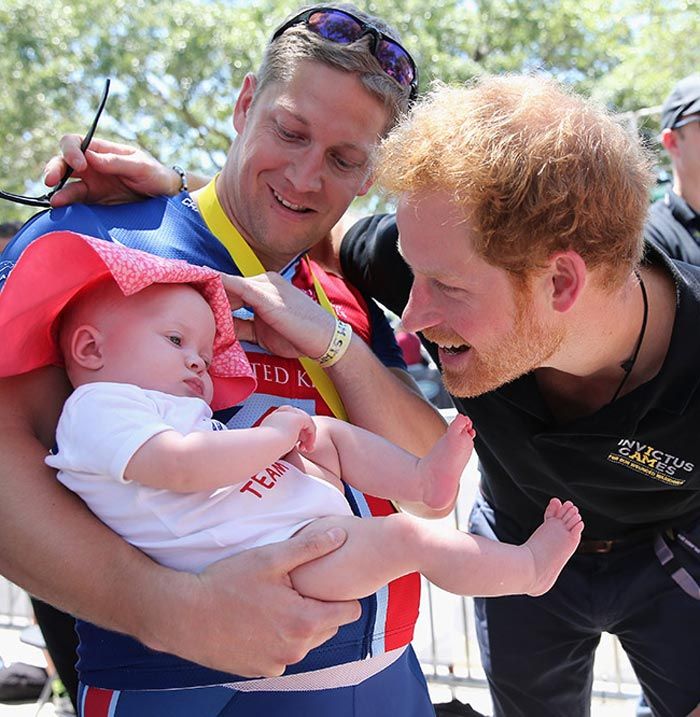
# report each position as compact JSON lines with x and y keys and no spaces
{"x":377,"y":399}
{"x":52,"y":545}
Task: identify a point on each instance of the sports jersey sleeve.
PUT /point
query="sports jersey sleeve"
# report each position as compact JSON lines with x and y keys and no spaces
{"x":370,"y":260}
{"x":77,"y":217}
{"x":101,"y":427}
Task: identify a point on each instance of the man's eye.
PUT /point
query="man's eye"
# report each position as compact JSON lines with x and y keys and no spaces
{"x":445,"y":288}
{"x":177,"y":340}
{"x":345,"y":165}
{"x":286,"y":134}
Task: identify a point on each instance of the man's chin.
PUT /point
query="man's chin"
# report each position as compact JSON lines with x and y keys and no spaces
{"x":461,"y":386}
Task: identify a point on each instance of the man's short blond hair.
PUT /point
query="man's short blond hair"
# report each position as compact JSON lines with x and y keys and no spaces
{"x":298,"y":44}
{"x":535,"y":168}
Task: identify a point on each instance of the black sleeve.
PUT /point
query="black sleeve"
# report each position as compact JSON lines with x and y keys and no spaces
{"x":370,"y":261}
{"x":656,"y":228}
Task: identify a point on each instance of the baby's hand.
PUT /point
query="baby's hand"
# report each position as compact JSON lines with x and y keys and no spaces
{"x":297,"y":423}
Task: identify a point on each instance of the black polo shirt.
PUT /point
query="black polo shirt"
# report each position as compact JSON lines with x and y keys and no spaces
{"x":675,"y":227}
{"x":632,"y":465}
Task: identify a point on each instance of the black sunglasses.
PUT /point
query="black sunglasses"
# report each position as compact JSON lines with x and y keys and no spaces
{"x":344,"y":28}
{"x":45,"y":199}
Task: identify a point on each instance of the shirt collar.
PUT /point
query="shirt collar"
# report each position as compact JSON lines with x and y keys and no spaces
{"x":681,"y":210}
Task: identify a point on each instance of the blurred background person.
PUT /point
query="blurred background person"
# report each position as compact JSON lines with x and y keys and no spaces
{"x":674,"y":220}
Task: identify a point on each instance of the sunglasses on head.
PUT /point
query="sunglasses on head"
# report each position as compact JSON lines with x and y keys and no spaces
{"x":344,"y":28}
{"x":45,"y":199}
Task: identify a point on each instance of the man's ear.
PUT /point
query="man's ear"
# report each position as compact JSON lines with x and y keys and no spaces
{"x":567,"y":274}
{"x":244,"y":102}
{"x":86,"y":347}
{"x":669,"y":140}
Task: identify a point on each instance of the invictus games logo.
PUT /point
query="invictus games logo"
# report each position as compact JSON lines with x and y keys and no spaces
{"x":651,"y":462}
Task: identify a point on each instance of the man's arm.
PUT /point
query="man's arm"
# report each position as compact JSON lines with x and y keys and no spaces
{"x":367,"y":254}
{"x":111,"y":173}
{"x":56,"y":549}
{"x":384,"y":400}
{"x":289,"y":323}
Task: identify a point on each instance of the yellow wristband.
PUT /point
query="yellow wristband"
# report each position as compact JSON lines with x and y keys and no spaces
{"x":338,"y":345}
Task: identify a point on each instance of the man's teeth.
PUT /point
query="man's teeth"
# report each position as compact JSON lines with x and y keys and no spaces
{"x":289,"y":205}
{"x":455,"y":348}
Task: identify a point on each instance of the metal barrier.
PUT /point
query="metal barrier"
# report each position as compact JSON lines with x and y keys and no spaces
{"x":449,"y":654}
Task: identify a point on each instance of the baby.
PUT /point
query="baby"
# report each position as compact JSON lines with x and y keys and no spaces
{"x":149,"y":348}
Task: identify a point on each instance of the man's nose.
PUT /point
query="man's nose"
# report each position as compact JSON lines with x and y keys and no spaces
{"x":421,"y":311}
{"x":305,"y":170}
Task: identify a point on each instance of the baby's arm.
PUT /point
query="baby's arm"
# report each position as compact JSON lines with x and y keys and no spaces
{"x":207,"y":460}
{"x":427,"y":486}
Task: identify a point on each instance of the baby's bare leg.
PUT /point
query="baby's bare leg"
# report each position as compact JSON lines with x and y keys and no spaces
{"x":441,"y":469}
{"x":375,"y":466}
{"x":379,"y":550}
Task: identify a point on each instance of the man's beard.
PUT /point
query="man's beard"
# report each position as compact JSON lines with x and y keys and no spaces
{"x":527,"y":346}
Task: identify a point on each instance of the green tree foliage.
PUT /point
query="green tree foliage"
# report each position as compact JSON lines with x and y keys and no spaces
{"x":176,"y":67}
{"x":663,"y":48}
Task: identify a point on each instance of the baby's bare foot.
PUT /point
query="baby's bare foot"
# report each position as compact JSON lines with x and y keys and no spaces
{"x":442,"y":468}
{"x":553,"y":543}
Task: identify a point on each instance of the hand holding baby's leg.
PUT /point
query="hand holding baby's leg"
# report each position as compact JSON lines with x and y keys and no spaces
{"x":442,"y":468}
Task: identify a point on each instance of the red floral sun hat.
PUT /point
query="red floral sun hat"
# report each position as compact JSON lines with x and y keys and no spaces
{"x":54,"y":268}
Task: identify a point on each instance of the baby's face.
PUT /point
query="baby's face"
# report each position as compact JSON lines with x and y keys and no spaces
{"x":163,"y":342}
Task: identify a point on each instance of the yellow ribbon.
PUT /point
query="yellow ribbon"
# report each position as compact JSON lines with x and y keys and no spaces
{"x":249,"y":265}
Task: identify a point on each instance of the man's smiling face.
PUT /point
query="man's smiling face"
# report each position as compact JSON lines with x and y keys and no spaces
{"x":489,"y":328}
{"x":302,"y":154}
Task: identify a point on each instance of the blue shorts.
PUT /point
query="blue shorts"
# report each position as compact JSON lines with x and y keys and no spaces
{"x":399,"y":689}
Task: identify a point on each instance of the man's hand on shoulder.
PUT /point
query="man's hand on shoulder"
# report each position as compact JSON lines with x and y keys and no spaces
{"x":107,"y":173}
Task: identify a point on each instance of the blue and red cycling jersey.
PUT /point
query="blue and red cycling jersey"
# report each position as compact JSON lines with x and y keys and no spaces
{"x":173,"y":228}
